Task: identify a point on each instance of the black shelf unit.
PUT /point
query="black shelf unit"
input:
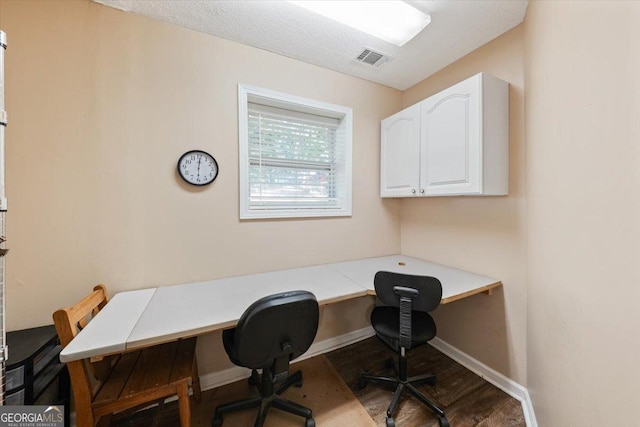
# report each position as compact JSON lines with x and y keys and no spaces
{"x":34,"y":373}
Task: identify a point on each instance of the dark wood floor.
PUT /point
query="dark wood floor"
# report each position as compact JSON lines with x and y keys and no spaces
{"x":468,"y":399}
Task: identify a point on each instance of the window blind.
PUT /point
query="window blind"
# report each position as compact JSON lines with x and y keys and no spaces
{"x":293,"y":159}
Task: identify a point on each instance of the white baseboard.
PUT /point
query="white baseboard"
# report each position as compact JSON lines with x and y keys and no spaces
{"x":505,"y":384}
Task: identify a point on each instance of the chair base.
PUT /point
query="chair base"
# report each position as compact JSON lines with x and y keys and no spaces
{"x":268,"y":398}
{"x":402,"y":385}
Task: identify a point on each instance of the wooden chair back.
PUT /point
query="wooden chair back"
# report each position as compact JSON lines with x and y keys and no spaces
{"x":77,"y":319}
{"x":125,"y":382}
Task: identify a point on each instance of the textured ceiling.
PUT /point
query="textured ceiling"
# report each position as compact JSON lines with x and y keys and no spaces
{"x":457,"y":28}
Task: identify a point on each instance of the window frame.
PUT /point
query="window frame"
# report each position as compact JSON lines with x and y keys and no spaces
{"x":247,"y":94}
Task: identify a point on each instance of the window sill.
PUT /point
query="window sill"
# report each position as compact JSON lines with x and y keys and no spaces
{"x":294,"y":213}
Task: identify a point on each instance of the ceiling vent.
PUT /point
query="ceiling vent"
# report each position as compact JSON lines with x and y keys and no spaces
{"x":373,"y":58}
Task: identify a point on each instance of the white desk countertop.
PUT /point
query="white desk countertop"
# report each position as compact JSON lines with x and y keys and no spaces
{"x":197,"y":308}
{"x":108,"y":332}
{"x":141,"y":318}
{"x":456,"y":284}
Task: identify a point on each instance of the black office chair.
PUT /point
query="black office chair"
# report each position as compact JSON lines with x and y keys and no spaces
{"x":273,"y":331}
{"x":403,"y":323}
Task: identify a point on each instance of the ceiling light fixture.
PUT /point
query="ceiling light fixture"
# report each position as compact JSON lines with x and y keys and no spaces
{"x":394,"y":21}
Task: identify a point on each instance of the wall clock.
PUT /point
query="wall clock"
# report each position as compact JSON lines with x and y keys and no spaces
{"x":197,"y":167}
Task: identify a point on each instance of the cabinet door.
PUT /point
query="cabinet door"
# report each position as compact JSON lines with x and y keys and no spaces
{"x":451,"y":155}
{"x":400,"y":153}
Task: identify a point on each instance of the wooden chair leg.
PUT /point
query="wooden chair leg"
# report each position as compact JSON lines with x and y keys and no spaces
{"x":195,"y":382}
{"x":184,"y":405}
{"x":158,"y":416}
{"x":84,"y":417}
{"x":104,"y":421}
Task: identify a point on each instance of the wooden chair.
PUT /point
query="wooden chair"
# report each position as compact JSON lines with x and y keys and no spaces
{"x":128,"y":381}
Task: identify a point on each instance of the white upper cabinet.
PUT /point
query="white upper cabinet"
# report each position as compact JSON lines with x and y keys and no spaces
{"x":400,"y":153}
{"x":462,"y":146}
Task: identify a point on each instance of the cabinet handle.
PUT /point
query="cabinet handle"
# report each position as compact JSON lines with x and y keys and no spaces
{"x":422,"y":190}
{"x":413,"y":190}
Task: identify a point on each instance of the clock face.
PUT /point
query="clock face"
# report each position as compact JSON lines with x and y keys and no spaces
{"x":198,"y":167}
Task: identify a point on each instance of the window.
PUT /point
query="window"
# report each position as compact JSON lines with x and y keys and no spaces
{"x":295,"y":156}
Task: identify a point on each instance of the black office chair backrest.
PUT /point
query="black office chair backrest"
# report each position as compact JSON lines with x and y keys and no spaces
{"x":276,"y":326}
{"x":429,"y":290}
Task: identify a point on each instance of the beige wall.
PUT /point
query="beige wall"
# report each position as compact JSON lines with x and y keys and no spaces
{"x":101,"y":104}
{"x":485,"y":235}
{"x":583,"y":198}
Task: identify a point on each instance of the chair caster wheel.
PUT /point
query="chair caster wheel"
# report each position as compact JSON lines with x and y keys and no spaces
{"x":391,"y":422}
{"x":443,"y":422}
{"x":431,"y":382}
{"x":298,"y":384}
{"x":362,"y":383}
{"x":310,"y":423}
{"x":216,"y":422}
